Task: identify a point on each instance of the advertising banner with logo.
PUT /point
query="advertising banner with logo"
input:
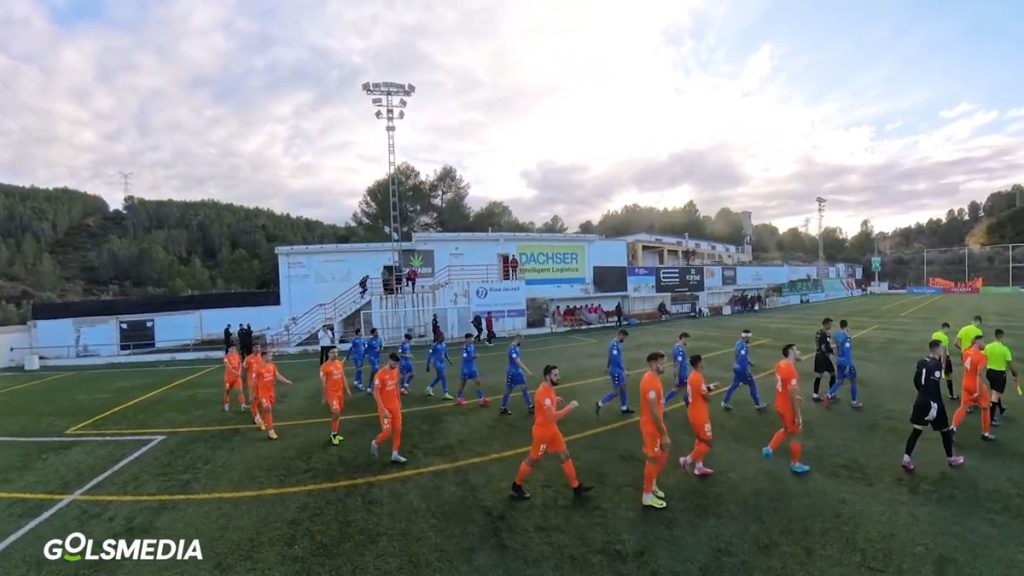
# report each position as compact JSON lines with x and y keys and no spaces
{"x":422,"y":261}
{"x":761,"y":275}
{"x":712,"y":277}
{"x":923,"y":290}
{"x":728,"y":275}
{"x":679,"y":279}
{"x":501,"y":299}
{"x":640,"y":279}
{"x":552,"y":264}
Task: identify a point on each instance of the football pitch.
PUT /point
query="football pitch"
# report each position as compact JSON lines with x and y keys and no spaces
{"x":155,"y":456}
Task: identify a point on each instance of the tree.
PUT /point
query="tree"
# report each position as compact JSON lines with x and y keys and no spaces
{"x":416,"y":211}
{"x":587,"y":227}
{"x":496,"y":216}
{"x":553,"y":226}
{"x":448,"y":194}
{"x":765,"y":239}
{"x":727,"y":226}
{"x":797,"y":245}
{"x":862,"y":244}
{"x":974,"y":212}
{"x":833,"y":242}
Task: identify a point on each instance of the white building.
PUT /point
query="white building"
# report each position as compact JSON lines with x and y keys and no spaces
{"x":659,"y":250}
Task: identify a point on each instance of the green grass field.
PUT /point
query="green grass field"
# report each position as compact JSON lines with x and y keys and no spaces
{"x":302,"y":506}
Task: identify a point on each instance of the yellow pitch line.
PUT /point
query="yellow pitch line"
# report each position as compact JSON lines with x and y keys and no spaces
{"x":903,"y":301}
{"x":34,"y":382}
{"x":921,"y":305}
{"x":373,"y":414}
{"x":139,"y":399}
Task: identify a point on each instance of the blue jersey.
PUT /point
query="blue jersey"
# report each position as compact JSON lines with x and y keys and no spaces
{"x":679,"y":358}
{"x":845,"y":344}
{"x":438,"y":354}
{"x":405,"y":351}
{"x":615,"y":356}
{"x":373,"y":346}
{"x":357,"y":349}
{"x":742,"y":364}
{"x":513,"y":356}
{"x":468,"y":358}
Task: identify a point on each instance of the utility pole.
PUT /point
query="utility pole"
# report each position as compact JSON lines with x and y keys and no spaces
{"x":125,"y":176}
{"x":821,"y":240}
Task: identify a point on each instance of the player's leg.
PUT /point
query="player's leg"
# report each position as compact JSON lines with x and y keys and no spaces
{"x":480,"y":390}
{"x":537,"y":448}
{"x":557,"y":445}
{"x":749,"y":381}
{"x":509,"y":387}
{"x":241,"y":394}
{"x":358,"y":368}
{"x":908,"y":451}
{"x":396,"y":437}
{"x":737,"y":381}
{"x":623,"y":397}
{"x":268,"y":417}
{"x":851,"y":374}
{"x":461,"y":395}
{"x":385,"y":431}
{"x":227,"y":395}
{"x":984,"y":404}
{"x":652,"y":468}
{"x":442,"y":373}
{"x":961,"y":412}
{"x":526,"y":394}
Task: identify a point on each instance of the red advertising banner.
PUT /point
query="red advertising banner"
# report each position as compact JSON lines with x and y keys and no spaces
{"x":961,"y":289}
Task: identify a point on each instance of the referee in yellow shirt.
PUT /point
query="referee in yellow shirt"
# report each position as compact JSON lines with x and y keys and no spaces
{"x":999,"y":361}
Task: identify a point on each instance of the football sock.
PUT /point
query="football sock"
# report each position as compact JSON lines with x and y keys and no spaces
{"x":570,"y":473}
{"x":853,"y":391}
{"x":947,"y":442}
{"x":795,"y":449}
{"x":817,"y":384}
{"x":912,"y":441}
{"x":334,"y":426}
{"x":777,"y":440}
{"x":524,"y":471}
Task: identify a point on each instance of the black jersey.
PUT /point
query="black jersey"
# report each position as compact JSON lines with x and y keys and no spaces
{"x":823,"y":342}
{"x":928,"y":379}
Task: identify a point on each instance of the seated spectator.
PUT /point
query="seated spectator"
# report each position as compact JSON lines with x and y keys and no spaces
{"x":663,"y":311}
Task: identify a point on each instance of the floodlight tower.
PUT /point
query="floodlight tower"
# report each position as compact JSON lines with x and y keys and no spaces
{"x":821,"y":240}
{"x":387,"y":97}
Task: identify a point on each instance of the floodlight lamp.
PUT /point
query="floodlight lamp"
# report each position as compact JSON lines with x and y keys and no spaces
{"x":377,"y":101}
{"x":402,"y":102}
{"x":376,"y":85}
{"x":379,"y":115}
{"x":366,"y":86}
{"x":412,"y":89}
{"x":401,"y":114}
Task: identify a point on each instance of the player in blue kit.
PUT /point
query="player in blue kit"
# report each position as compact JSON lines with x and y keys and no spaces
{"x":514,"y":377}
{"x":357,"y":352}
{"x":405,"y":368}
{"x":437,"y":358}
{"x":469,"y":373}
{"x":845,"y":370}
{"x":682,"y":371}
{"x":373,"y":348}
{"x":616,"y":370}
{"x":741,"y":373}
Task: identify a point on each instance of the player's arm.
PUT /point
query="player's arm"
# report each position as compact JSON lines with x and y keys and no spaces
{"x":523,"y":367}
{"x":430,"y":356}
{"x":448,"y":358}
{"x":280,"y":378}
{"x":552,"y":416}
{"x":795,"y":400}
{"x":323,"y":385}
{"x":659,"y":420}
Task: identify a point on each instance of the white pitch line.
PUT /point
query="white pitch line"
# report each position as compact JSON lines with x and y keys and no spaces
{"x":76,"y":439}
{"x":56,"y":508}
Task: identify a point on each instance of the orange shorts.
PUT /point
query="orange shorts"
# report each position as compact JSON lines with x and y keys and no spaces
{"x":336,"y":402}
{"x":267,"y":400}
{"x":652,"y":443}
{"x":233,"y":383}
{"x":983,"y":400}
{"x":789,"y":423}
{"x":702,"y":429}
{"x":547,"y":441}
{"x":390,"y":418}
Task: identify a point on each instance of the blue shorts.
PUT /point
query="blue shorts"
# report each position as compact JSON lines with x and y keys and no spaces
{"x":742,"y":378}
{"x":405,"y":368}
{"x":846,"y":372}
{"x":470,"y":375}
{"x":375,"y":364}
{"x":618,"y":378}
{"x":514,"y":380}
{"x":682,"y":380}
{"x":357,"y":361}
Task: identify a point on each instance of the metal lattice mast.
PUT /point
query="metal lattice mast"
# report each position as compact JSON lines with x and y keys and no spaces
{"x":384,"y":94}
{"x":821,"y":239}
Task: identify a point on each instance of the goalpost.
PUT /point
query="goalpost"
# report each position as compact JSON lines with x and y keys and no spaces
{"x":394,"y":324}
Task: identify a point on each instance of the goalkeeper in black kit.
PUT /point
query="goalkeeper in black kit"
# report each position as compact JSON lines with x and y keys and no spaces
{"x":928,"y":407}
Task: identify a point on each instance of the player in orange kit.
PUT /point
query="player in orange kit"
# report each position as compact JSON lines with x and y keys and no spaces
{"x":700,"y":418}
{"x":653,"y":430}
{"x":787,"y":405}
{"x":233,"y":378}
{"x":252,"y":365}
{"x":332,"y":377}
{"x":386,"y":390}
{"x":975,"y":392}
{"x":547,"y":437}
{"x":267,"y":378}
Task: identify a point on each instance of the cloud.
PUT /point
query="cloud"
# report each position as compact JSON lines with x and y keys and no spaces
{"x":1014,"y":113}
{"x":552,"y":107}
{"x":958,"y":110}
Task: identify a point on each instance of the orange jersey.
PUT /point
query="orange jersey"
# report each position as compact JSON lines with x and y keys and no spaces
{"x":698,"y":392}
{"x":786,"y":378}
{"x":333,"y":373}
{"x":232,"y":366}
{"x":544,"y":398}
{"x":975,"y":363}
{"x":252,"y":366}
{"x":266,"y":380}
{"x":651,"y":389}
{"x":386,"y":382}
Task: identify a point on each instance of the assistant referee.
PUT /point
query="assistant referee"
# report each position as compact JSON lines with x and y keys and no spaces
{"x":999,"y":361}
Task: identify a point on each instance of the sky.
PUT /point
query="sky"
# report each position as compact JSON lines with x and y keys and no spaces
{"x":893,"y":111}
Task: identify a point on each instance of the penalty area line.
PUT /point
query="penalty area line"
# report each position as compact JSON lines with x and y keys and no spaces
{"x":77,"y":493}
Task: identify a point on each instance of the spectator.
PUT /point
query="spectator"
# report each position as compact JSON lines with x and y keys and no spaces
{"x":326,"y":338}
{"x":618,"y":314}
{"x":663,"y":311}
{"x":227,"y":339}
{"x":490,"y":330}
{"x":364,"y":285}
{"x":557,"y":317}
{"x":244,"y":340}
{"x":513,"y":267}
{"x":410,"y":278}
{"x":478,"y":325}
{"x":435,"y":328}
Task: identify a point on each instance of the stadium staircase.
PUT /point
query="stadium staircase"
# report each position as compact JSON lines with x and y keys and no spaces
{"x":448,"y":288}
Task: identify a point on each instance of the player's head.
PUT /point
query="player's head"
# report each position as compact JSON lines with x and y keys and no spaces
{"x":232,"y":349}
{"x":621,"y":336}
{"x":393,"y":360}
{"x":790,"y":352}
{"x":746,"y":334}
{"x":697,"y":362}
{"x":551,"y":374}
{"x":935,"y":348}
{"x":978,"y":342}
{"x":468,"y":337}
{"x":977,"y":321}
{"x":408,"y":337}
{"x":332,"y":354}
{"x":268,"y":355}
{"x":439,"y":338}
{"x":843,"y":324}
{"x":359,"y":331}
{"x":256,"y":348}
{"x":656,"y":362}
{"x":517,"y":339}
{"x":999,"y":334}
{"x":683,"y":337}
{"x":945,"y":327}
{"x":373,"y":331}
{"x":826,"y":323}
